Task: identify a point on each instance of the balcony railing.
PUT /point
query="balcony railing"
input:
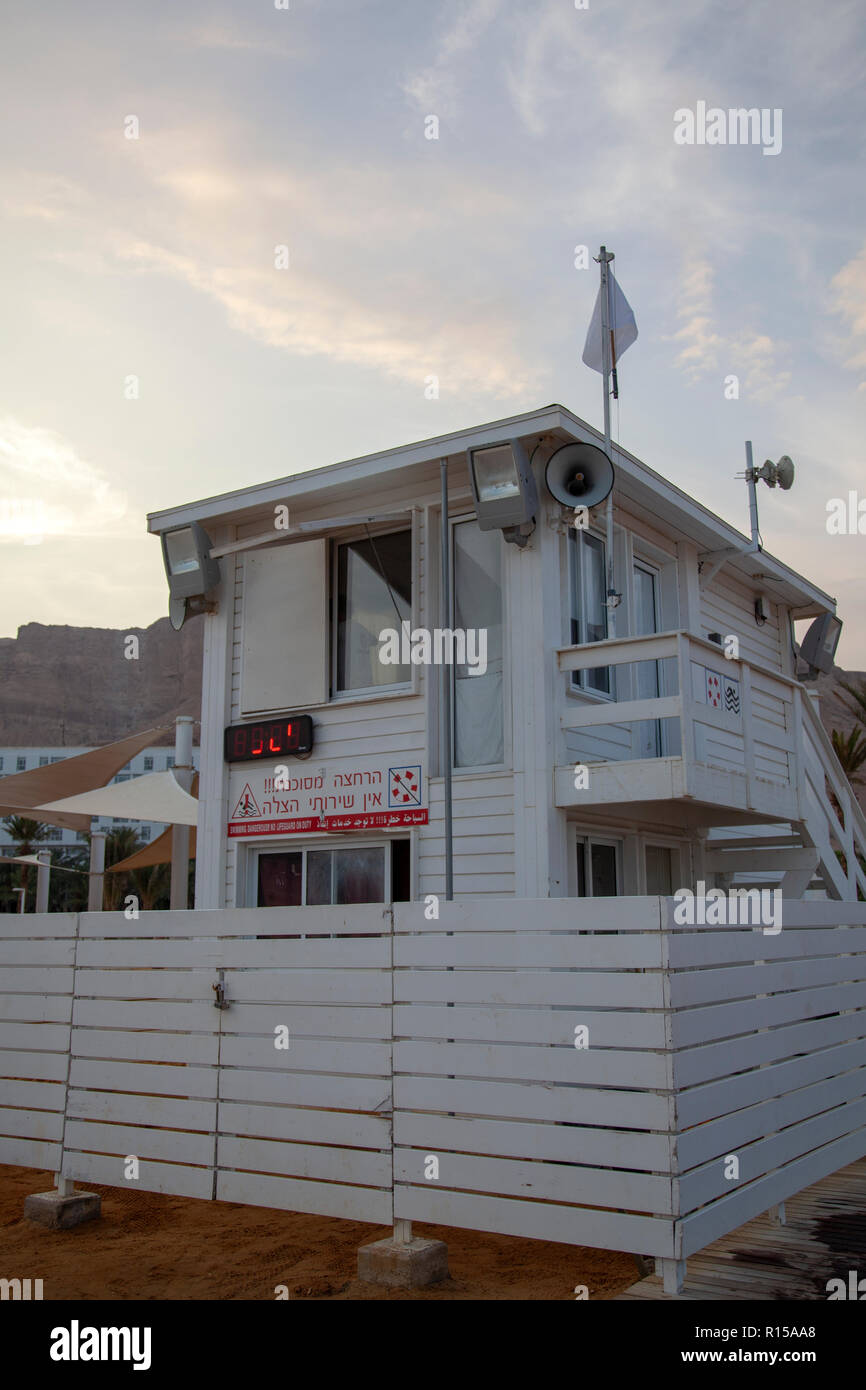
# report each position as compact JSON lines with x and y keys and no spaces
{"x":736,"y":735}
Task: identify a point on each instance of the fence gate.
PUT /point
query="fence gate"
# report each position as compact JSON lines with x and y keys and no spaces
{"x":282,"y":1098}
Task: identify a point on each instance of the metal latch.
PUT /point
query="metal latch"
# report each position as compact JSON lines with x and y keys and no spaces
{"x":219,"y":989}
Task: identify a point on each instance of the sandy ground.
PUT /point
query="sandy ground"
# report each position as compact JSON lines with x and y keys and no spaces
{"x":148,"y":1246}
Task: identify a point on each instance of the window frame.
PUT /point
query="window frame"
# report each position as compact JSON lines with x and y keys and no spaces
{"x":506,"y":765}
{"x":252,"y":853}
{"x":574,"y":558}
{"x":369,"y":692}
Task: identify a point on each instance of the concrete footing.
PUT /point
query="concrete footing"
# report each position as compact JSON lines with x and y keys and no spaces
{"x":60,"y":1211}
{"x":404,"y":1264}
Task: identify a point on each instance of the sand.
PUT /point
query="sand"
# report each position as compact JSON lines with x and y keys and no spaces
{"x":150,"y":1246}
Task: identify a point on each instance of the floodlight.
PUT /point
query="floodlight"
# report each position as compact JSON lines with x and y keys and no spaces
{"x":506,"y":498}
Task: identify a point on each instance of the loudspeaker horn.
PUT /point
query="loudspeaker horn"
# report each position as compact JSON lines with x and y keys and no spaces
{"x":579,"y":475}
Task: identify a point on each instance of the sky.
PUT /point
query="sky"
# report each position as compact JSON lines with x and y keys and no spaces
{"x":153,"y":157}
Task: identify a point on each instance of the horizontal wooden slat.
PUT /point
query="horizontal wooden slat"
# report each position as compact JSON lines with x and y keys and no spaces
{"x":711,"y":1022}
{"x":726,"y":1134}
{"x":622,"y":712}
{"x":531,"y":950}
{"x":166,"y":1078}
{"x":169,"y":1145}
{"x":809,"y":1044}
{"x":182,"y":1016}
{"x":774,"y":1151}
{"x":305,"y":1126}
{"x":197,"y":1048}
{"x":357,"y":1056}
{"x":528,"y":1101}
{"x":34,"y":1037}
{"x":321,"y":1162}
{"x":552,"y":1182}
{"x":292,"y":1194}
{"x":35,"y":952}
{"x":722,"y":947}
{"x":37,"y":979}
{"x":530,"y":914}
{"x":120,"y":1107}
{"x":371,"y":952}
{"x":34,"y":1095}
{"x":568,"y":1065}
{"x":174,"y":1178}
{"x":36,"y":1008}
{"x":35,"y":1066}
{"x":555,"y":1142}
{"x":359,"y":919}
{"x":606,"y":1027}
{"x":30,"y":1153}
{"x":32,"y":1124}
{"x":534,"y":987}
{"x":688,"y":987}
{"x":364,"y":1093}
{"x":604,"y":1230}
{"x":701,"y":1227}
{"x":29,"y":926}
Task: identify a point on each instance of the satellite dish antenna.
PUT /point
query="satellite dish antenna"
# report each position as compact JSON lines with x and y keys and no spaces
{"x":177,"y":612}
{"x":579,"y":475}
{"x":779,"y":474}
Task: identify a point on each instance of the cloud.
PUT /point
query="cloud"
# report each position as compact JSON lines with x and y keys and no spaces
{"x":746,"y":353}
{"x":48,"y":489}
{"x":848,"y":290}
{"x":434,"y":89}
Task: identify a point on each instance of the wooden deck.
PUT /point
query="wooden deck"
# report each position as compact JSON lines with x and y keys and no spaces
{"x":824,"y":1237}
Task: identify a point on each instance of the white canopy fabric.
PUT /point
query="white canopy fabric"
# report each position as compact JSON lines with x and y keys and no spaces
{"x":22,"y":792}
{"x":154,"y":797}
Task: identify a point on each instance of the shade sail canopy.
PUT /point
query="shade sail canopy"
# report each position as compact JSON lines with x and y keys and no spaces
{"x":26,"y":793}
{"x":159,"y":852}
{"x":155,"y":797}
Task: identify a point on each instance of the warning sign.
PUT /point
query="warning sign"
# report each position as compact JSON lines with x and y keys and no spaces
{"x":247,"y":807}
{"x":404,"y":786}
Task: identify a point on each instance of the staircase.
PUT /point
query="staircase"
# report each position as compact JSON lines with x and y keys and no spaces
{"x":800,"y":856}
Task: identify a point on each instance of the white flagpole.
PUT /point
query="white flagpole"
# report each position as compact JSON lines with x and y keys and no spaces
{"x":604,"y":258}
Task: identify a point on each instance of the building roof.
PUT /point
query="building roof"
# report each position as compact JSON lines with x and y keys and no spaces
{"x":636,"y":483}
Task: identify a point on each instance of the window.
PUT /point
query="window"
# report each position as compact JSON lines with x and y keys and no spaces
{"x":20,"y":764}
{"x":53,"y":832}
{"x":588,"y":583}
{"x":659,"y":870}
{"x":148,"y":764}
{"x":144,"y":832}
{"x":372,"y":591}
{"x":169,"y":762}
{"x":43,"y":761}
{"x":81,"y":835}
{"x":1,"y":762}
{"x":598,"y":871}
{"x":338,"y":875}
{"x":58,"y":759}
{"x":479,"y":725}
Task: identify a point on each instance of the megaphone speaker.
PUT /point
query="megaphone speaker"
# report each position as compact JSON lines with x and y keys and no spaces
{"x":579,"y":475}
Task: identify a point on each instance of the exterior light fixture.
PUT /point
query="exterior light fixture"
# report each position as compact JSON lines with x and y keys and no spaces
{"x":818,"y":647}
{"x":505,"y":494}
{"x":190,"y":571}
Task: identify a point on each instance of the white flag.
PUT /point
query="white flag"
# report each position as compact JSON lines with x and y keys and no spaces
{"x":622,"y":323}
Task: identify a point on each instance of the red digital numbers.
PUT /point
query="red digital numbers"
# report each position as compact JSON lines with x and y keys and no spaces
{"x":249,"y":742}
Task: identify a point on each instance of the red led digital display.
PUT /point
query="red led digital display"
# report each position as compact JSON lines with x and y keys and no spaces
{"x":269,"y":738}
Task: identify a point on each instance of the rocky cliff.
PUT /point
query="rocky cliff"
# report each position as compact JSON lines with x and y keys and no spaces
{"x":68,"y":686}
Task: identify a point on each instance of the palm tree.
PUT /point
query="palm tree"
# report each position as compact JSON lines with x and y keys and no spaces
{"x":858,"y":692}
{"x":851,"y":752}
{"x":26,"y":835}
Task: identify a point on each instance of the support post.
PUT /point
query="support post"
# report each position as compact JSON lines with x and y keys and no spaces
{"x":183,"y":772}
{"x":97,"y":871}
{"x":605,"y":257}
{"x":446,"y":688}
{"x":43,"y":878}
